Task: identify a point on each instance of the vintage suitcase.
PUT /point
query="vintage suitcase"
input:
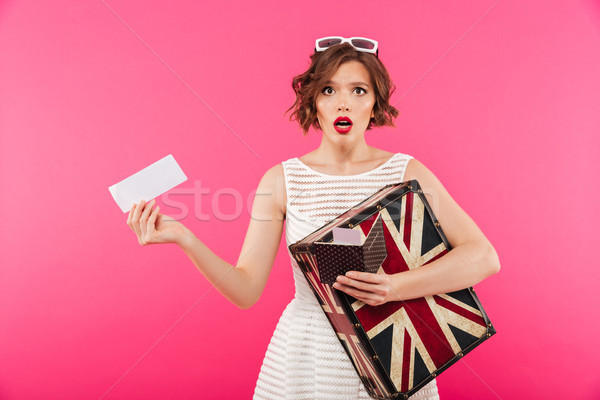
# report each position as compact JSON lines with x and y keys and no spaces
{"x":397,"y":347}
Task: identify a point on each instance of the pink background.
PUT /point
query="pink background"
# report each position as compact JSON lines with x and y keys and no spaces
{"x":498,"y":98}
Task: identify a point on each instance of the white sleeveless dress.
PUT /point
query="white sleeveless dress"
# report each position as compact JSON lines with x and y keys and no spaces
{"x":305,"y":359}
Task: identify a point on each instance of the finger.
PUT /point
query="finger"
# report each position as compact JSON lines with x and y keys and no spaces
{"x":367,"y":297}
{"x":351,"y":283}
{"x":150,"y":230}
{"x":130,"y":215}
{"x":376,"y":288}
{"x":357,"y":279}
{"x":364,"y":276}
{"x":135,"y":219}
{"x":144,"y":217}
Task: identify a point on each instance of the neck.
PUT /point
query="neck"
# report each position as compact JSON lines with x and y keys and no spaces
{"x":344,"y":154}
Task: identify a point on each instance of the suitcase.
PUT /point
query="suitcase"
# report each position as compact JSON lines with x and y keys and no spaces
{"x":397,"y":347}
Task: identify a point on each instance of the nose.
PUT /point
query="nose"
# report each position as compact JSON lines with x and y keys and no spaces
{"x":344,"y":106}
{"x":343,"y":99}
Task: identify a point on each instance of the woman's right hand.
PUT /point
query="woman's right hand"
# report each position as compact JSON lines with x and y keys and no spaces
{"x":152,"y":227}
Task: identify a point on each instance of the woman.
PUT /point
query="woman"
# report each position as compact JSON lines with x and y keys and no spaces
{"x":345,"y":91}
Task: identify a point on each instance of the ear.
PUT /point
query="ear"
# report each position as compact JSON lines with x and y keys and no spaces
{"x":373,"y":113}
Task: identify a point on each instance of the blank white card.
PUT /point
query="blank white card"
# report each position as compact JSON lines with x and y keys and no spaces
{"x":148,"y":183}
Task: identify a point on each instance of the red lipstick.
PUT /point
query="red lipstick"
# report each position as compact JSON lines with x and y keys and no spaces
{"x":342,"y":124}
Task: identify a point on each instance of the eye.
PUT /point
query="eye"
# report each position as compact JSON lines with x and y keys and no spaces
{"x":359,"y":90}
{"x":328,"y":90}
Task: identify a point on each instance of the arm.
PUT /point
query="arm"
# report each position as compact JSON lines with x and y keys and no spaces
{"x":243,"y":283}
{"x":472,"y":258}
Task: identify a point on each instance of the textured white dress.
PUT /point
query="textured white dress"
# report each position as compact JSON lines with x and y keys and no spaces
{"x":305,"y":359}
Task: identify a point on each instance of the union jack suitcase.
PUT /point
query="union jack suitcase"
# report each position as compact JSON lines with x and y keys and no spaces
{"x":397,"y":347}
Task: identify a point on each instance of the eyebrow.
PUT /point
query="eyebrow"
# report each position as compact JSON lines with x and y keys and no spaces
{"x":351,"y":83}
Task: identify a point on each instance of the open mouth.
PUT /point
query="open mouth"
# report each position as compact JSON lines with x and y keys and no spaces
{"x":342,"y":124}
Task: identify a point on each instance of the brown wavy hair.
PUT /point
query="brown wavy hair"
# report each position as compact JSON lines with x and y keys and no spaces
{"x":323,"y":65}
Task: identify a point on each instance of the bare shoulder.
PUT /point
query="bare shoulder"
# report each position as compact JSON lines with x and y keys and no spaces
{"x":272,"y":187}
{"x":458,"y":225}
{"x":274,"y":174}
{"x":417,"y":170}
{"x":433,"y":189}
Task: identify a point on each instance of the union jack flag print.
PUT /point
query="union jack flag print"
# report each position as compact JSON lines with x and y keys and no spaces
{"x":398,"y":347}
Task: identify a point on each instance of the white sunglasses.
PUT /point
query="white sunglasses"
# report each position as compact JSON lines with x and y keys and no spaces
{"x":359,"y":43}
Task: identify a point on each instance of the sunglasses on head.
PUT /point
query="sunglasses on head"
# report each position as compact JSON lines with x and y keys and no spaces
{"x":359,"y":43}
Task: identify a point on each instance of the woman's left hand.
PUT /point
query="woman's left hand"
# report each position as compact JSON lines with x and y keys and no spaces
{"x":373,"y":289}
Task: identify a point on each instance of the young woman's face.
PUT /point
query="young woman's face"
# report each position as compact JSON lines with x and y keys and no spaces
{"x":345,"y":105}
